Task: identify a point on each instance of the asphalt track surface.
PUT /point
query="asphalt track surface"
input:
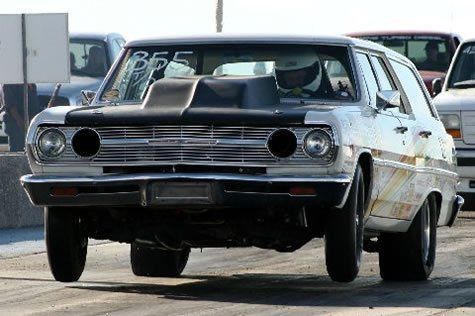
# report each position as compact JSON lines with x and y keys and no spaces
{"x":235,"y":282}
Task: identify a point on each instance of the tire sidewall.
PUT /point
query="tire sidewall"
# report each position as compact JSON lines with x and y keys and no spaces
{"x":344,"y":233}
{"x":66,"y":244}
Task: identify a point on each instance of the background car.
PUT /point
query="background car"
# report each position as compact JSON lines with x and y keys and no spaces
{"x":413,"y":44}
{"x":456,"y":106}
{"x":91,"y":56}
{"x":3,"y":136}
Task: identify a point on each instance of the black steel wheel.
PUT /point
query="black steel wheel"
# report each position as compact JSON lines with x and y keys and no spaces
{"x":66,"y":243}
{"x":344,"y":234}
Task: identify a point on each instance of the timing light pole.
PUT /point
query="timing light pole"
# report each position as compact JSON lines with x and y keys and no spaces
{"x":219,"y":16}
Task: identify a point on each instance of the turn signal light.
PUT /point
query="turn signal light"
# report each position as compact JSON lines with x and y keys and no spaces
{"x":455,"y":133}
{"x":64,"y":191}
{"x":302,"y":191}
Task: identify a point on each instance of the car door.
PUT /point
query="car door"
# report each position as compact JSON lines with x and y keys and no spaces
{"x":429,"y":139}
{"x":390,"y":146}
{"x":398,"y":193}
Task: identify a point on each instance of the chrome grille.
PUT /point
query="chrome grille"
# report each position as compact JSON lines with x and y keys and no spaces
{"x":468,"y":127}
{"x":165,"y":145}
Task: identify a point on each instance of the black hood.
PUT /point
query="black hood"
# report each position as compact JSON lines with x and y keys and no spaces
{"x":199,"y":100}
{"x":135,"y":115}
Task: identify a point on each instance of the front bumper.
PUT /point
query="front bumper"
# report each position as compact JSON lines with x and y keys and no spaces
{"x":195,"y":190}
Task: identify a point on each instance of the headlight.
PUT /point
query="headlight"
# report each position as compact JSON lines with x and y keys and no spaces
{"x":450,"y":121}
{"x":452,"y":124}
{"x":51,"y":143}
{"x":317,"y":144}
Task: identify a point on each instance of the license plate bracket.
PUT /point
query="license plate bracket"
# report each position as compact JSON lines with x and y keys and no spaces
{"x":181,"y":193}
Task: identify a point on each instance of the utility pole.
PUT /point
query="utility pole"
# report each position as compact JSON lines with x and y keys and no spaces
{"x":219,"y":16}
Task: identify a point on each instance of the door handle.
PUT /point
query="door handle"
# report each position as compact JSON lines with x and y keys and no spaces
{"x":425,"y":134}
{"x":401,"y":129}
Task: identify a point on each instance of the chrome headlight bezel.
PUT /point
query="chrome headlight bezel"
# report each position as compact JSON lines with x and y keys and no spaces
{"x":327,"y":153}
{"x":42,"y":151}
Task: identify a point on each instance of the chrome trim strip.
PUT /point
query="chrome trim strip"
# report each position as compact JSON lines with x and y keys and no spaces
{"x":427,"y":170}
{"x":342,"y":178}
{"x":171,"y":140}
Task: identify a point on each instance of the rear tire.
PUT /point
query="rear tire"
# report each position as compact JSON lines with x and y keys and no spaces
{"x":66,"y":243}
{"x":410,"y":256}
{"x":152,"y":262}
{"x":344,"y":234}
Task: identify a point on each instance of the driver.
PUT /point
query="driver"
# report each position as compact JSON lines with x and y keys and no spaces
{"x":298,"y":75}
{"x":432,"y":61}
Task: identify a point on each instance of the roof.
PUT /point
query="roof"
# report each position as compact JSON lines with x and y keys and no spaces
{"x":468,"y":40}
{"x":93,"y":36}
{"x":223,"y":38}
{"x":403,"y":33}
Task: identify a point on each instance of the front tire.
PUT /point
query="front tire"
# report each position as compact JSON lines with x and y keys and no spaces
{"x":152,"y":262}
{"x":66,"y":243}
{"x":344,"y":234}
{"x":410,"y":256}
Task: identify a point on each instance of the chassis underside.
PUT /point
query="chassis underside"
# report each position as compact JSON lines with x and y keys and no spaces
{"x":284,"y":230}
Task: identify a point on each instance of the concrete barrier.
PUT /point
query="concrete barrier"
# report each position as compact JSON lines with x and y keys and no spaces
{"x":15,"y":207}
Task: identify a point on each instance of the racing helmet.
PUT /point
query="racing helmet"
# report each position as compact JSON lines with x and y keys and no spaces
{"x":298,"y":71}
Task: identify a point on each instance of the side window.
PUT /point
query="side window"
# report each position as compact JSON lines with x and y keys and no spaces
{"x":385,"y":81}
{"x":369,"y":77}
{"x":412,"y":87}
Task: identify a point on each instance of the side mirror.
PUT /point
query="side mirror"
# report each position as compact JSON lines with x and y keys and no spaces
{"x":87,"y":96}
{"x":436,"y":86}
{"x":388,"y":99}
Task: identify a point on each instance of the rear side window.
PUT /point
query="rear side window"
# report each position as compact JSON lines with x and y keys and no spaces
{"x":368,"y":74}
{"x":412,"y":87}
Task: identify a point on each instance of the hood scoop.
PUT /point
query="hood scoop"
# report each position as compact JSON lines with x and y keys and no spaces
{"x":212,"y":91}
{"x":199,"y":100}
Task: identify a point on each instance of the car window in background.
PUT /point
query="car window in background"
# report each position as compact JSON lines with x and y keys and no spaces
{"x":245,"y":68}
{"x":303,"y":71}
{"x":369,"y":77}
{"x":413,"y":89}
{"x":463,"y":74}
{"x":116,"y":47}
{"x":88,"y":58}
{"x":418,"y":49}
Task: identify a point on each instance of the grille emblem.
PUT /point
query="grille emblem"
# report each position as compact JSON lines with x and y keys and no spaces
{"x":181,"y":141}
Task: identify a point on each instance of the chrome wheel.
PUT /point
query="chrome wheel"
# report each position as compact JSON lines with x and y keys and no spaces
{"x":426,"y":231}
{"x":410,"y":256}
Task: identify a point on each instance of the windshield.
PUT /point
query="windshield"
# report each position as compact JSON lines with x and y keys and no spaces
{"x":301,"y":71}
{"x":463,"y":73}
{"x":88,"y":58}
{"x":430,"y":53}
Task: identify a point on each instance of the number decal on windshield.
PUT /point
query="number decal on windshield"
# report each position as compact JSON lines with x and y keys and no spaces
{"x":145,"y":67}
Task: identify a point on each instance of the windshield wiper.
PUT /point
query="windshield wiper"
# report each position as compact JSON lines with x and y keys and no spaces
{"x":465,"y":84}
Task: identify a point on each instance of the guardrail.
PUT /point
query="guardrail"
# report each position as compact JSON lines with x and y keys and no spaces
{"x":15,"y":207}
